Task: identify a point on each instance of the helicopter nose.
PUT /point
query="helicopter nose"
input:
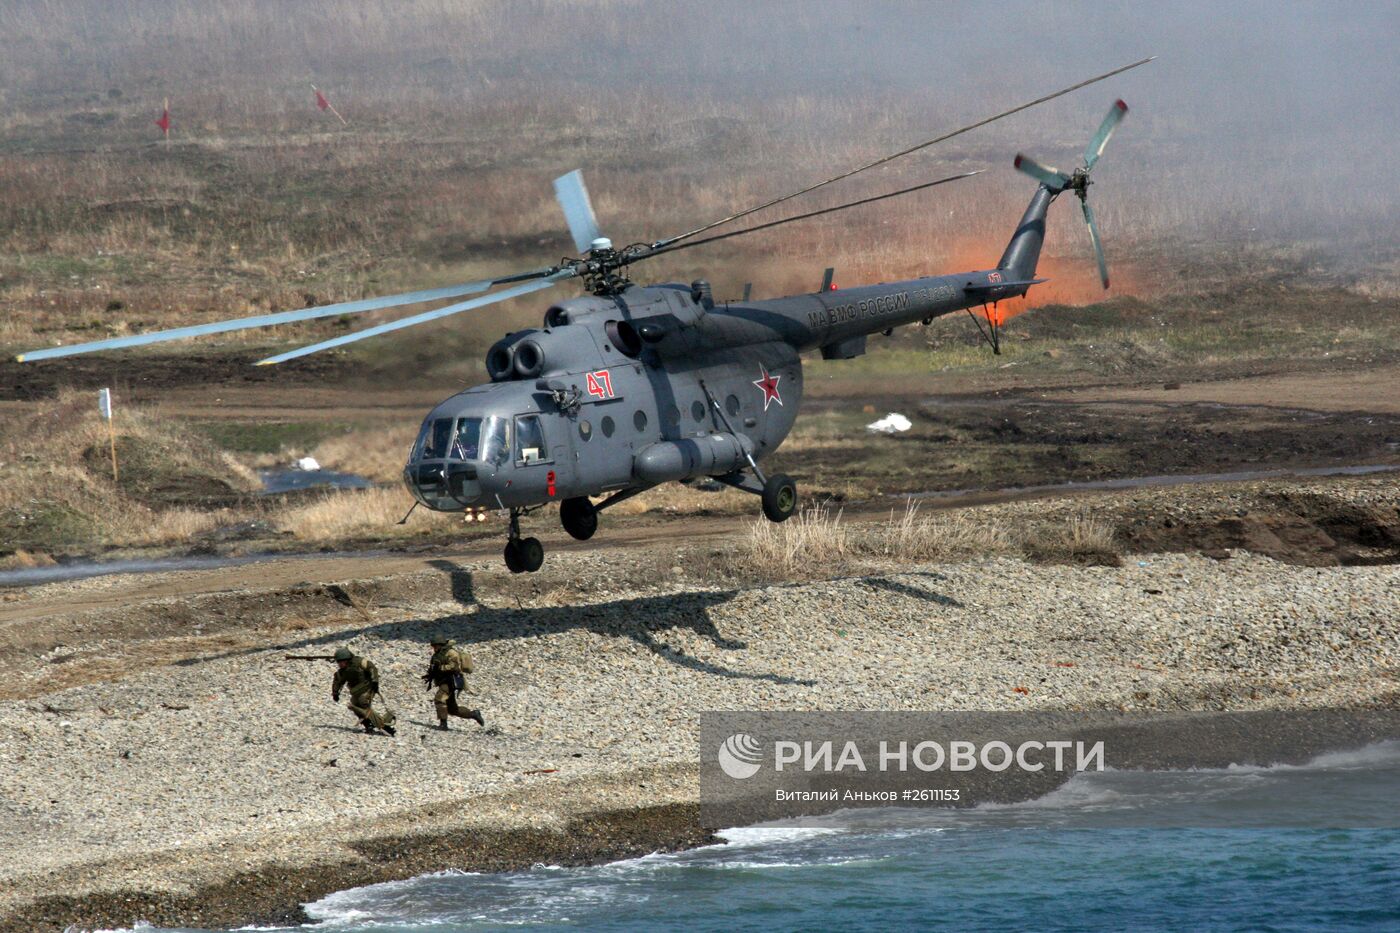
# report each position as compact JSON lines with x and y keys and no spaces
{"x":444,"y":486}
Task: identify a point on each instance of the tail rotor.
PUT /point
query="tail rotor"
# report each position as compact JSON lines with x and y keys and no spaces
{"x":1078,"y":182}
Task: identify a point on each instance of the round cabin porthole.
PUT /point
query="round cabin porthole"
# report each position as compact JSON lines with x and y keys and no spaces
{"x":697,"y":411}
{"x":607,"y":425}
{"x":585,"y":430}
{"x":731,"y":405}
{"x":639,"y":420}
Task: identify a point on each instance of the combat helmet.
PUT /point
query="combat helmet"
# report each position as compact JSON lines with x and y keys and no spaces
{"x":440,"y":641}
{"x":343,"y":654}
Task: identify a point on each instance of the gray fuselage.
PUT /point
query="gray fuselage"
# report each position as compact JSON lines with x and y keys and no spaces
{"x":619,"y":392}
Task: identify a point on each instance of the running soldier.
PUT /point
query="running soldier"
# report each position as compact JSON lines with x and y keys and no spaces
{"x":447,"y":671}
{"x":361,"y":678}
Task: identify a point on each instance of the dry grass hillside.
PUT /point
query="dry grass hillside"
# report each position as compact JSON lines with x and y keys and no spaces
{"x":259,"y":201}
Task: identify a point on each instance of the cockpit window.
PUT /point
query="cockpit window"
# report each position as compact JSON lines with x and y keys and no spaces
{"x":495,"y":440}
{"x":466,"y":442}
{"x":529,"y":440}
{"x":483,"y":439}
{"x":432,"y":443}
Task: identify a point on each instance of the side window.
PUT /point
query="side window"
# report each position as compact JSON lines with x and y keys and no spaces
{"x":639,"y":420}
{"x":495,"y":445}
{"x":585,"y":430}
{"x":608,"y":426}
{"x":529,"y":440}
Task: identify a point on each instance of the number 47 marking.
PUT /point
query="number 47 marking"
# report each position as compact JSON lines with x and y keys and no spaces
{"x":600,"y":384}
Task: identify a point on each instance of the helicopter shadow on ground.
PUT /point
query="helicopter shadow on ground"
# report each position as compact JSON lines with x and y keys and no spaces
{"x":463,"y":591}
{"x":641,"y":619}
{"x":914,"y":592}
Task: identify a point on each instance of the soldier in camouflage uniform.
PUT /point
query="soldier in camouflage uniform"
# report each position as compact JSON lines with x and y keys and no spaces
{"x":447,"y":671}
{"x":361,"y":678}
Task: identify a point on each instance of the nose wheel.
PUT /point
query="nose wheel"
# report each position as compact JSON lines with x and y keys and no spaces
{"x":523,"y":555}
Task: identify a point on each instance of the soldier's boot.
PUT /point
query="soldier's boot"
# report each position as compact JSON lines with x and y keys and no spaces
{"x":476,"y":714}
{"x":442,"y":724}
{"x":390,"y":730}
{"x":369,"y":728}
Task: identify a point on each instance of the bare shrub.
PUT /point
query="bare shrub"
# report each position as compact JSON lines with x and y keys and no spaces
{"x":939,"y":537}
{"x":812,"y":538}
{"x":1078,"y":539}
{"x":817,"y":542}
{"x":26,"y":560}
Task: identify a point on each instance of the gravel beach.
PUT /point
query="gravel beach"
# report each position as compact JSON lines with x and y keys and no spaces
{"x":166,"y":762}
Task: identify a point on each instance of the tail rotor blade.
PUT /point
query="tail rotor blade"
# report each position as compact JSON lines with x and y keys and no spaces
{"x":578,"y":209}
{"x":1098,"y":244}
{"x":513,"y":292}
{"x":1106,"y":128}
{"x":1052,"y":178}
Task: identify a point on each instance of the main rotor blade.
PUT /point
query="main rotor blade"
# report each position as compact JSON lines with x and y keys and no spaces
{"x":902,"y":153}
{"x":1052,"y":178}
{"x":825,"y":210}
{"x":1098,"y":245}
{"x":1106,"y":128}
{"x":423,"y":318}
{"x":578,"y":209}
{"x":280,"y":317}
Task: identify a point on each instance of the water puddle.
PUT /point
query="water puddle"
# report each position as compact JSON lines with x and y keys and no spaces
{"x":1144,"y":482}
{"x":83,"y":569}
{"x":290,"y":479}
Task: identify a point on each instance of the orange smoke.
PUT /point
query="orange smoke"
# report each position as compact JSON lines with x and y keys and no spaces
{"x":1072,"y":280}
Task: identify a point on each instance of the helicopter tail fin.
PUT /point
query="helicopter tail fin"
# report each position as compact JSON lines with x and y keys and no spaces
{"x":1023,"y":252}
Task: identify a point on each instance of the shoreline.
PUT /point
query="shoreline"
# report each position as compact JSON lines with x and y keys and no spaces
{"x":275,"y":892}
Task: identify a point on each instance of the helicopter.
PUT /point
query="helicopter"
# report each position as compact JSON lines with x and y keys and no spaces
{"x":628,"y":386}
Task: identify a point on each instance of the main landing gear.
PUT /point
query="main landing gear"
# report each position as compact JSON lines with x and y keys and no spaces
{"x":779,"y":497}
{"x":778,"y":492}
{"x":523,"y":555}
{"x":579,"y":516}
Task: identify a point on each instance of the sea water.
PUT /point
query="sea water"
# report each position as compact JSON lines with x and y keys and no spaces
{"x":1112,"y":850}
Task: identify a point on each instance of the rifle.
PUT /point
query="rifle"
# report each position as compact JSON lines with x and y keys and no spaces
{"x":310,"y":657}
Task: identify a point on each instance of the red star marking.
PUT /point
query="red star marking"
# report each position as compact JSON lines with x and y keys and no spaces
{"x":769,"y":385}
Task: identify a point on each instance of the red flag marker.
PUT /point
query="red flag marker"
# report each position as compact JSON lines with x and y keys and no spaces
{"x":164,"y":121}
{"x":324,"y":103}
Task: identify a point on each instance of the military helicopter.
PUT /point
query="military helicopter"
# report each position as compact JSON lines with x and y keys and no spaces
{"x":631,"y":386}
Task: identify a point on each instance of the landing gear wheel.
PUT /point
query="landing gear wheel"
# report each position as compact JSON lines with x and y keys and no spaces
{"x":530,"y":553}
{"x":579,"y":517}
{"x":513,"y":556}
{"x":779,"y":498}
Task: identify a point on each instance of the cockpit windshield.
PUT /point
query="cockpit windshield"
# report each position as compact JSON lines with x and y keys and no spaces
{"x":465,"y":443}
{"x":484,"y":439}
{"x":432,"y":443}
